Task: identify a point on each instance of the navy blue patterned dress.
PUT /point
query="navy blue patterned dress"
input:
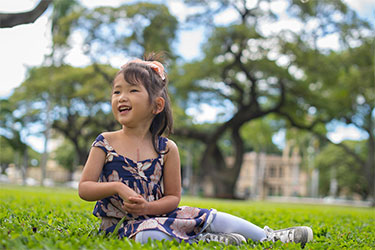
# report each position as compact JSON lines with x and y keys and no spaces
{"x":145,"y":177}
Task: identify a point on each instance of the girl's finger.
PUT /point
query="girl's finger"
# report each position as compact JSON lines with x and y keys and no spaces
{"x":129,"y":205}
{"x":136,"y":199}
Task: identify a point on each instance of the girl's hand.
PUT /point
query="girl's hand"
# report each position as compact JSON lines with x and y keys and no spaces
{"x":136,"y":205}
{"x":125,"y":192}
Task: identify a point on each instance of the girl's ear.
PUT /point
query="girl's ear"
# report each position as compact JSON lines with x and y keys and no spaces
{"x":159,"y":105}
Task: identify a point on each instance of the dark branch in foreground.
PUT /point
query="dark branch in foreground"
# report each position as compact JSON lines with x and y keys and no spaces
{"x":9,"y":20}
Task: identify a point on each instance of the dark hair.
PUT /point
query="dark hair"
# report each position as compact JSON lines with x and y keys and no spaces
{"x":138,"y":73}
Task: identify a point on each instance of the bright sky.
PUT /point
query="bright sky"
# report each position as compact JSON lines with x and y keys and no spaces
{"x":25,"y":45}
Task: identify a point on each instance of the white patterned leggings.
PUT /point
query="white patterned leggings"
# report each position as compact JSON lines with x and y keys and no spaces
{"x":223,"y":223}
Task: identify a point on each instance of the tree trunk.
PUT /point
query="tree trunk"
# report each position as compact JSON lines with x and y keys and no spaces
{"x":74,"y":167}
{"x":188,"y":172}
{"x":3,"y":166}
{"x":223,"y":176}
{"x":82,"y":156}
{"x":369,"y":167}
{"x":260,"y":181}
{"x":24,"y":166}
{"x":48,"y":124}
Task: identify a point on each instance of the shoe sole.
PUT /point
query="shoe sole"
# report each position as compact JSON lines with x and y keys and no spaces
{"x":240,"y":239}
{"x":226,"y":238}
{"x":306,"y":235}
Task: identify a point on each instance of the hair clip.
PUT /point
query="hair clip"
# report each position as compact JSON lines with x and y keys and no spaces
{"x":155,"y":66}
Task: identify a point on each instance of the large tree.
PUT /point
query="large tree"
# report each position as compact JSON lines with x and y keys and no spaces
{"x":340,"y":173}
{"x":252,"y":72}
{"x":75,"y":99}
{"x":13,"y":146}
{"x":350,"y":86}
{"x":340,"y":83}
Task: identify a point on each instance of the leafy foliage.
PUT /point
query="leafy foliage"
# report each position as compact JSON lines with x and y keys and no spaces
{"x":76,"y":100}
{"x":127,"y":30}
{"x":245,"y":71}
{"x":9,"y":155}
{"x":250,"y":68}
{"x":346,"y":170}
{"x":45,"y":218}
{"x":65,"y":155}
{"x":258,"y":135}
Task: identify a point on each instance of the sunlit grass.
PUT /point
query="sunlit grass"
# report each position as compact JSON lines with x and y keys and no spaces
{"x":56,"y":218}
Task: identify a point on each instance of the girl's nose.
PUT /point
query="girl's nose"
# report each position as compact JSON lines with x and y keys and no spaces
{"x":123,"y":97}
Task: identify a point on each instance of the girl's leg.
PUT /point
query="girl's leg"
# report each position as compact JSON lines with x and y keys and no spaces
{"x":144,"y":236}
{"x":227,"y":223}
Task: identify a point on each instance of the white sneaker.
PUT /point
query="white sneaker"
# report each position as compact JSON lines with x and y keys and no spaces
{"x":293,"y":234}
{"x":226,"y":238}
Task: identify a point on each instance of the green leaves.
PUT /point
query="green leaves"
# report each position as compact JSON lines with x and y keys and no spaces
{"x":130,"y":29}
{"x":347,"y":171}
{"x":77,"y":100}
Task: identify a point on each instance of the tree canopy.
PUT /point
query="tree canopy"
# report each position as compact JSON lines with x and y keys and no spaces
{"x":259,"y":76}
{"x":257,"y":71}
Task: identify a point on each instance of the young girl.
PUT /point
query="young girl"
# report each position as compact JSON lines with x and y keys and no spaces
{"x":134,"y":173}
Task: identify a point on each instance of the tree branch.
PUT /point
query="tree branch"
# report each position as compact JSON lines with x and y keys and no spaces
{"x":341,"y":145}
{"x":240,"y":150}
{"x":191,"y":133}
{"x":281,"y":101}
{"x":9,"y":20}
{"x":310,"y":128}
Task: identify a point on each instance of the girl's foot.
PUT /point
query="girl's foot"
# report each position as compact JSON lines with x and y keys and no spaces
{"x":293,"y":234}
{"x":226,"y":238}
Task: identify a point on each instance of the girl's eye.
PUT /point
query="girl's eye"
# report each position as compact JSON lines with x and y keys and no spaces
{"x":133,"y":90}
{"x":116,"y":92}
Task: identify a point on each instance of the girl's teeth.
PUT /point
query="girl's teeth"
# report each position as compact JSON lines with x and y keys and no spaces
{"x":123,"y":109}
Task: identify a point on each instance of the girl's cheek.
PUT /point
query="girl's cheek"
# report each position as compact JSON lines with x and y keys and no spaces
{"x":113,"y":101}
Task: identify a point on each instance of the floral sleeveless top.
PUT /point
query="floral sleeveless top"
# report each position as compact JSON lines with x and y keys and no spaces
{"x":145,"y":178}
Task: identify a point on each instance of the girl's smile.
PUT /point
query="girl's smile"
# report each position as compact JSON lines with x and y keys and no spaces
{"x":124,"y":109}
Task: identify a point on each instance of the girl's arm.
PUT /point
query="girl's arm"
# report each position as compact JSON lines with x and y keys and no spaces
{"x":172,"y":188}
{"x":90,"y":189}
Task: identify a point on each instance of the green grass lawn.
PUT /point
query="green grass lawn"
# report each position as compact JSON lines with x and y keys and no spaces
{"x":56,"y":218}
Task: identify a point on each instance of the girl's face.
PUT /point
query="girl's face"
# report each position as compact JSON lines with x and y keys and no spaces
{"x":130,"y":104}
